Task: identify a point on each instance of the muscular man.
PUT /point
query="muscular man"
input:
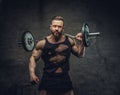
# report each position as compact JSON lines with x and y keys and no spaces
{"x":55,"y":51}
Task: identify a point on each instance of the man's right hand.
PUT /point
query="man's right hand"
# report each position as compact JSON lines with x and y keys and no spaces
{"x":34,"y":79}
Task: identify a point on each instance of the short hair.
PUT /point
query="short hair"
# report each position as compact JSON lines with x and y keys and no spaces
{"x":57,"y":18}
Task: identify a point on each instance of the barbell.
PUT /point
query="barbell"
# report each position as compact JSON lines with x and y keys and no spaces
{"x":85,"y":34}
{"x":28,"y":40}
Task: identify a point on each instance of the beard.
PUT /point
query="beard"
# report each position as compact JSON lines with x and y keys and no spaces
{"x":56,"y":34}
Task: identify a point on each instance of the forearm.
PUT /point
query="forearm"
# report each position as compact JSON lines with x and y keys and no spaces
{"x":32,"y":66}
{"x":82,"y":52}
{"x":81,"y":49}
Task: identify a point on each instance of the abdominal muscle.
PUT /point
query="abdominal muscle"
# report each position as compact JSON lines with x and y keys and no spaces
{"x":55,"y":59}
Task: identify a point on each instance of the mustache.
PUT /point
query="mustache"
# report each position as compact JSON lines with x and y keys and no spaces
{"x":57,"y":32}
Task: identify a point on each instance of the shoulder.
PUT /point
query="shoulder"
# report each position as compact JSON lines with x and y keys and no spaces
{"x":40,"y":44}
{"x":72,"y":41}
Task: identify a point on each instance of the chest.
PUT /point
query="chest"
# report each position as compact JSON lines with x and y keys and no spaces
{"x":54,"y":49}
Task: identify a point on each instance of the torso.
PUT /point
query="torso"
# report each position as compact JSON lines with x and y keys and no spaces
{"x":56,"y":54}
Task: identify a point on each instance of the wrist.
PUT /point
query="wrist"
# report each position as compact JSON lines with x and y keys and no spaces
{"x":32,"y":74}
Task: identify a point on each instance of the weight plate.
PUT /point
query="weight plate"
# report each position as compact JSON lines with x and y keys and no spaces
{"x":85,"y":32}
{"x":28,"y":41}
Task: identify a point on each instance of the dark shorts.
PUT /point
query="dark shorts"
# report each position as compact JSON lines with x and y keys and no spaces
{"x":59,"y":83}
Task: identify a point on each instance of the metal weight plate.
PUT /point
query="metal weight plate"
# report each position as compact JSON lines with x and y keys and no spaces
{"x":28,"y":41}
{"x":85,"y":33}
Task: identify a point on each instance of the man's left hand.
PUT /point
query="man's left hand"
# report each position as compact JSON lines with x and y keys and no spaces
{"x":79,"y":37}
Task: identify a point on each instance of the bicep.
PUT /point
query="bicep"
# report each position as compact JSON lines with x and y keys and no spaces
{"x":74,"y":47}
{"x":36,"y":53}
{"x":75,"y":50}
{"x":78,"y":50}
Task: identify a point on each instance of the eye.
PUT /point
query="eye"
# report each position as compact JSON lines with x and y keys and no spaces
{"x":54,"y":25}
{"x":59,"y":26}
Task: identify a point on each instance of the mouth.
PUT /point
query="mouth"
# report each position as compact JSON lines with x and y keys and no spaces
{"x":56,"y":33}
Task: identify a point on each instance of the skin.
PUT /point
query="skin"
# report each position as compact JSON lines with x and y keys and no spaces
{"x":56,"y":36}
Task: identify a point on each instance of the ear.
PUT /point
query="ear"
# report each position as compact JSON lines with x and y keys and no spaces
{"x":50,"y":26}
{"x":63,"y":28}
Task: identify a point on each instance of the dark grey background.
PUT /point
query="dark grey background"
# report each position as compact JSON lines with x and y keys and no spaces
{"x":96,"y":74}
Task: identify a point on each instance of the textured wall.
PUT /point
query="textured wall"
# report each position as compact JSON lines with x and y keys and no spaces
{"x":96,"y":74}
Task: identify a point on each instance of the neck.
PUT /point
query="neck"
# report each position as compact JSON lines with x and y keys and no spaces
{"x":56,"y":39}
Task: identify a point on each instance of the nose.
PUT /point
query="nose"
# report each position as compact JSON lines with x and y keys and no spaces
{"x":56,"y":28}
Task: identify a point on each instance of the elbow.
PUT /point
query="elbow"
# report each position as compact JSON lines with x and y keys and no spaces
{"x":31,"y":60}
{"x":81,"y":56}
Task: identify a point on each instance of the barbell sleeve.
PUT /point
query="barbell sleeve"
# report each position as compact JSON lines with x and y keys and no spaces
{"x":94,"y":34}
